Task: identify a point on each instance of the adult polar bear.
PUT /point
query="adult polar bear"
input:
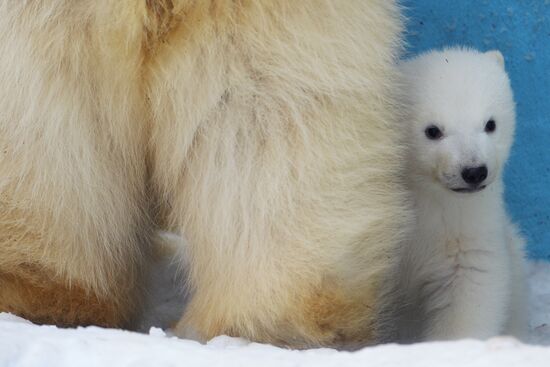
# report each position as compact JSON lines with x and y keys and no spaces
{"x":262,"y":130}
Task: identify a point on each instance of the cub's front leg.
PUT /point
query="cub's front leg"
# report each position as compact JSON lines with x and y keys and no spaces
{"x":471,"y":301}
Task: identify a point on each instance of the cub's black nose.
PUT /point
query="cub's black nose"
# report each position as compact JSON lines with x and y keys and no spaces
{"x":474,"y":175}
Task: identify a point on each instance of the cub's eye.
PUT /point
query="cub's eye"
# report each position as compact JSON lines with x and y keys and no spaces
{"x":433,"y":132}
{"x":490,"y":126}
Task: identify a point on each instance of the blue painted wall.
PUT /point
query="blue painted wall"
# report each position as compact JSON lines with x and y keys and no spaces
{"x":520,"y":29}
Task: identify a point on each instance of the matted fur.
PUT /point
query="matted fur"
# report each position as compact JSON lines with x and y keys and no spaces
{"x":261,"y":130}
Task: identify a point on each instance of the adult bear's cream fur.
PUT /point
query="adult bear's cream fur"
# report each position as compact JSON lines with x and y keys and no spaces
{"x":262,"y":130}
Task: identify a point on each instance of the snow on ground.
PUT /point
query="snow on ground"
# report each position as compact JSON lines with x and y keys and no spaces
{"x":27,"y":345}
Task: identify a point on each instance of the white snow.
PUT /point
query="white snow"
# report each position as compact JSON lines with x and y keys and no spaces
{"x":25,"y":344}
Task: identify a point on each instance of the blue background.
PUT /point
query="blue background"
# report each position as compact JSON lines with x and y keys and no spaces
{"x":520,"y":29}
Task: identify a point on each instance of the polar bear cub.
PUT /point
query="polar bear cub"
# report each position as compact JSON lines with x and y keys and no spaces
{"x":463,"y":269}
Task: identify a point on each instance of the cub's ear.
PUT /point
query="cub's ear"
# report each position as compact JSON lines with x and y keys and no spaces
{"x":497,"y":56}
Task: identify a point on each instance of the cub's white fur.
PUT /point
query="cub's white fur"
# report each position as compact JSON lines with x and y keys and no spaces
{"x":463,"y":271}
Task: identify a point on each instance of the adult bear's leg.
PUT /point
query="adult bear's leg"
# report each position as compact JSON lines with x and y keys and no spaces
{"x":72,"y":163}
{"x":276,"y":146}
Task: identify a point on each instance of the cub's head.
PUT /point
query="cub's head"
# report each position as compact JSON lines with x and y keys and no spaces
{"x":461,"y":117}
